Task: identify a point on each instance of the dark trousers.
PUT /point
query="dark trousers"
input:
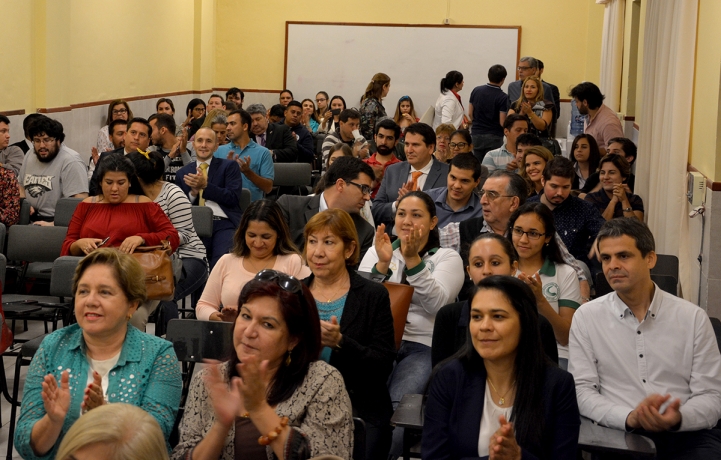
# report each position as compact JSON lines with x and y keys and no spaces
{"x":192,"y":281}
{"x":220,"y":243}
{"x":378,"y":441}
{"x":484,"y":143}
{"x":685,"y":445}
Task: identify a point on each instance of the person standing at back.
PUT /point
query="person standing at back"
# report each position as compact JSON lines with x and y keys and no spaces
{"x":487,"y":112}
{"x":449,"y":108}
{"x":371,"y":108}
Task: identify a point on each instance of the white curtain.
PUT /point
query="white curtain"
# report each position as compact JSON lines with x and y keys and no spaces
{"x":669,"y":46}
{"x":612,"y":52}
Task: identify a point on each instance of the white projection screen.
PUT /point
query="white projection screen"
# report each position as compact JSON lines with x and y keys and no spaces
{"x":341,"y":58}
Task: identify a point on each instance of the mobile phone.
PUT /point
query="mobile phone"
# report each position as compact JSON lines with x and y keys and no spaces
{"x":104,"y":241}
{"x":335,"y":112}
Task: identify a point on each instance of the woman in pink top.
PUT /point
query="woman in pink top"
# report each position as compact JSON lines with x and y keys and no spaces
{"x":262,"y":241}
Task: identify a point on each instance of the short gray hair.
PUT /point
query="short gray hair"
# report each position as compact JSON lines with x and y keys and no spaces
{"x":532,"y":62}
{"x":516,"y":184}
{"x":219,"y":118}
{"x":256,"y":108}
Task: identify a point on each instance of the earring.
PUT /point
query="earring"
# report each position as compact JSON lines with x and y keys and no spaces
{"x":287,"y":359}
{"x":128,"y":317}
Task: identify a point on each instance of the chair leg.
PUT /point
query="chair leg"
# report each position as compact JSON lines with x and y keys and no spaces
{"x":15,"y":403}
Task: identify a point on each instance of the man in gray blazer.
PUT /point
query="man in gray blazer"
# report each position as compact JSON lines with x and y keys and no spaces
{"x":347,"y":184}
{"x":420,"y":171}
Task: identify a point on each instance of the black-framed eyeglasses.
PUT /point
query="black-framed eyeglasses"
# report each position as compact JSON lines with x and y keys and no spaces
{"x":120,"y":111}
{"x":45,"y":141}
{"x":524,"y":68}
{"x":532,"y":235}
{"x":492,"y":196}
{"x":460,"y":145}
{"x":286,"y":282}
{"x":365,"y":189}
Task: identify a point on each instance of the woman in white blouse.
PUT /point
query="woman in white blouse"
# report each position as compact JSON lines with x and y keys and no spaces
{"x":449,"y":108}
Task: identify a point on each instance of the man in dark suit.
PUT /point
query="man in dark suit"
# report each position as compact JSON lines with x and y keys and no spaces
{"x":215,"y":183}
{"x":419,"y":172}
{"x":278,"y":138}
{"x":528,"y":67}
{"x":306,"y":146}
{"x":137,"y":137}
{"x":348,"y":187}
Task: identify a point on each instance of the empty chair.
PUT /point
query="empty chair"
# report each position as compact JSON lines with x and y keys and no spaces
{"x":64,"y":210}
{"x":37,"y":247}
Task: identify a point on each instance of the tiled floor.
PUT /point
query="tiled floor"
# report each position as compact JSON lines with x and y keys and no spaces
{"x":35,"y":328}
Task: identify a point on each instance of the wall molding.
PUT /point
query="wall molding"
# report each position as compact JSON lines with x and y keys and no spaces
{"x":135,"y":98}
{"x":9,"y":113}
{"x":714,"y":186}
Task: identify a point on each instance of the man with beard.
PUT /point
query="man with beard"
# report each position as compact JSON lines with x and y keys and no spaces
{"x":386,"y":136}
{"x":52,"y":172}
{"x":137,"y":136}
{"x":601,"y":122}
{"x":165,"y":143}
{"x":306,"y":150}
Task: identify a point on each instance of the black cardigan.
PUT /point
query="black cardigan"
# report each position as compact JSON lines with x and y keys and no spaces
{"x":455,"y":404}
{"x":451,"y":331}
{"x":365,"y":358}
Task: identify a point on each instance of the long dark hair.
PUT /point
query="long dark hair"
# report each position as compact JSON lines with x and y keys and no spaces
{"x":550,"y":250}
{"x":531,"y":361}
{"x":118,"y":162}
{"x":594,"y":154}
{"x":450,"y":80}
{"x":148,"y":170}
{"x":434,"y":236}
{"x":267,"y":211}
{"x":301,"y":317}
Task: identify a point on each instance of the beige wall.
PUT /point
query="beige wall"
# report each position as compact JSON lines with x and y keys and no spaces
{"x":565,"y":34}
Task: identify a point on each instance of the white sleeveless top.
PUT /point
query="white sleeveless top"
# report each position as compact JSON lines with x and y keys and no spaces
{"x":489,"y":421}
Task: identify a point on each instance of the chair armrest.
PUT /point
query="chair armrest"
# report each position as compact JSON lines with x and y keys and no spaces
{"x":601,"y":439}
{"x":409,"y":413}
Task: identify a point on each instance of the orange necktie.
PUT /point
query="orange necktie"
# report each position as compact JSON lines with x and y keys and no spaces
{"x":203,"y":167}
{"x":414,"y":181}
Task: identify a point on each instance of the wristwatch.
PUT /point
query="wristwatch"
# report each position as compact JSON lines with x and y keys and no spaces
{"x":627,"y":209}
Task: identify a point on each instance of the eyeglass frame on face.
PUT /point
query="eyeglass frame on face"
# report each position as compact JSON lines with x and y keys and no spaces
{"x":460,"y":145}
{"x":285,"y":282}
{"x":532,"y":234}
{"x":365,"y":189}
{"x":493,"y":195}
{"x":120,"y":111}
{"x":45,"y":141}
{"x":318,"y":101}
{"x":524,"y":68}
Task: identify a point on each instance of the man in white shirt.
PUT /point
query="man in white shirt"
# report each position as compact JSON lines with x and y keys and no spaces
{"x":644,"y":359}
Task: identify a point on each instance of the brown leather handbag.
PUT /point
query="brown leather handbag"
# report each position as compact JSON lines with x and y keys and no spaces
{"x":158,"y":267}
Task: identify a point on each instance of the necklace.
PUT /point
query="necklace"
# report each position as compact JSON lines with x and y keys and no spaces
{"x":332,"y":296}
{"x":265,"y":265}
{"x":501,"y":397}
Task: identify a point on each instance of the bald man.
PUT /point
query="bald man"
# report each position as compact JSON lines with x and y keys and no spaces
{"x":216,"y":183}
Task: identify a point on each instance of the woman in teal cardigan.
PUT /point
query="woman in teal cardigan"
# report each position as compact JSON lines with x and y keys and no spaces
{"x":98,"y":360}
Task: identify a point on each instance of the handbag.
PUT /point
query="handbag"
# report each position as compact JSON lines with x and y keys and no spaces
{"x":158,"y":268}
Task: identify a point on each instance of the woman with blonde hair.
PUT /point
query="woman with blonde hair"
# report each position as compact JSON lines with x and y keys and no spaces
{"x":532,"y":104}
{"x":114,"y":432}
{"x":371,"y":108}
{"x":532,"y":166}
{"x":443,"y":138}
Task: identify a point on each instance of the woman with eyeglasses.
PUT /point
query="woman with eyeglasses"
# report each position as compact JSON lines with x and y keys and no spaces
{"x":500,"y":397}
{"x":541,"y":266}
{"x":436,"y":275}
{"x":261,"y":242}
{"x":117,"y":110}
{"x":321,"y":100}
{"x":443,"y":138}
{"x":461,"y":142}
{"x":274,"y":398}
{"x":357,"y":332}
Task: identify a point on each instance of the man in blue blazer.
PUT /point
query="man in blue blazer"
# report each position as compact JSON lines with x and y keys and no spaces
{"x":420,"y":171}
{"x":219,"y":189}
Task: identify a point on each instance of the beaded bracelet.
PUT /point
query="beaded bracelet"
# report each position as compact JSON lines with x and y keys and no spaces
{"x":273,"y":435}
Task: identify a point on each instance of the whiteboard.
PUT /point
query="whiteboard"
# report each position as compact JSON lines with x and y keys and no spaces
{"x":342,"y":58}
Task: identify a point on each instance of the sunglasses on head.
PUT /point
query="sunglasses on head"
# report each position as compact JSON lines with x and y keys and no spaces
{"x":286,"y":282}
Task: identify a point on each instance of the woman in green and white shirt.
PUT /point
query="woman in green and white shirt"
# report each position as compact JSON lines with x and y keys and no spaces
{"x":541,"y":266}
